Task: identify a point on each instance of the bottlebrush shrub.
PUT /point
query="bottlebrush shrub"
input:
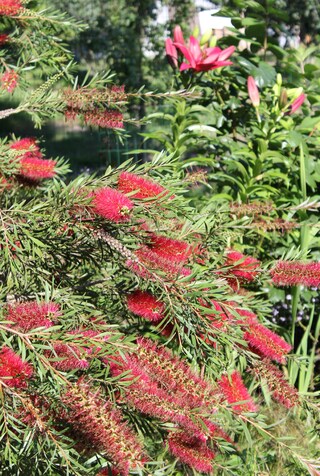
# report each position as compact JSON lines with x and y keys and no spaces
{"x":113,"y":358}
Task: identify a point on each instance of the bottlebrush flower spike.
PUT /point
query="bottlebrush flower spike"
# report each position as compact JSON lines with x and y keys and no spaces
{"x":253,"y":92}
{"x":295,"y":273}
{"x":30,"y":315}
{"x":10,"y":7}
{"x":67,"y":357}
{"x":142,"y":187}
{"x":149,"y":260}
{"x":243,"y":267}
{"x":9,"y":80}
{"x":161,"y":365}
{"x":297,"y":103}
{"x":13,"y":371}
{"x":266,"y":343}
{"x":253,"y":208}
{"x":4,"y":38}
{"x":191,"y":451}
{"x":176,"y":251}
{"x":282,"y":391}
{"x":201,"y":59}
{"x":33,"y":168}
{"x":101,"y":424}
{"x":26,"y":144}
{"x":104,"y":118}
{"x":234,"y":390}
{"x":146,"y":395}
{"x":112,"y":205}
{"x":145,"y":305}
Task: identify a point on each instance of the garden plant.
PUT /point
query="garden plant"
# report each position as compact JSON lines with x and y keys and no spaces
{"x":136,"y":331}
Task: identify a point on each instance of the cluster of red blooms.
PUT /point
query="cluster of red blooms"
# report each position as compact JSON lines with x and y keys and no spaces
{"x":145,"y":305}
{"x":3,"y":39}
{"x":83,"y":102}
{"x":235,"y":391}
{"x":31,"y":315}
{"x":142,"y":188}
{"x":191,"y":451}
{"x":164,"y":387}
{"x":261,"y":340}
{"x":13,"y":371}
{"x":282,"y":391}
{"x":100,"y":424}
{"x":114,"y":205}
{"x":32,"y":166}
{"x":150,"y":259}
{"x":9,"y":80}
{"x":295,"y":273}
{"x":10,"y":7}
{"x":241,"y":269}
{"x":198,"y":59}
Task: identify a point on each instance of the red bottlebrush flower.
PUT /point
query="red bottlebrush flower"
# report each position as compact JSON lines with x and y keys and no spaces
{"x":142,"y":187}
{"x":33,"y":168}
{"x":235,"y":391}
{"x":30,"y":315}
{"x":112,"y":205}
{"x":204,"y":59}
{"x":13,"y":371}
{"x":173,"y":250}
{"x":4,"y":38}
{"x":191,"y":451}
{"x":69,"y":357}
{"x":101,"y":424}
{"x":297,"y":103}
{"x":5,"y":184}
{"x":253,"y":92}
{"x":243,"y":267}
{"x":266,"y":343}
{"x":282,"y":391}
{"x":107,"y":119}
{"x":147,"y":259}
{"x":10,"y":7}
{"x":27,"y":144}
{"x":145,"y":305}
{"x":9,"y":80}
{"x":108,"y":472}
{"x":161,"y":365}
{"x":295,"y":273}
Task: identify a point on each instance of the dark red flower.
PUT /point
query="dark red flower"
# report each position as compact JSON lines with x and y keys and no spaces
{"x":145,"y":305}
{"x":112,"y":205}
{"x":13,"y":371}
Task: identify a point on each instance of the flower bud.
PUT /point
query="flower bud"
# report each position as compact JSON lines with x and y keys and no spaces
{"x":253,"y":92}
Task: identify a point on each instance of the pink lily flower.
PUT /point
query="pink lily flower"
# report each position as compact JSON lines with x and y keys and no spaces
{"x":253,"y":91}
{"x":203,"y":59}
{"x":297,"y":103}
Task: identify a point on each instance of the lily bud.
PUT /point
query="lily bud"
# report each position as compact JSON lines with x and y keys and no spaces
{"x":206,"y":37}
{"x":297,"y":103}
{"x":178,"y":35}
{"x":253,"y":91}
{"x":283,"y":99}
{"x":172,"y":54}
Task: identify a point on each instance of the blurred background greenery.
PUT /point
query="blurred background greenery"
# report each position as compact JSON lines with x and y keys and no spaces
{"x":127,"y":37}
